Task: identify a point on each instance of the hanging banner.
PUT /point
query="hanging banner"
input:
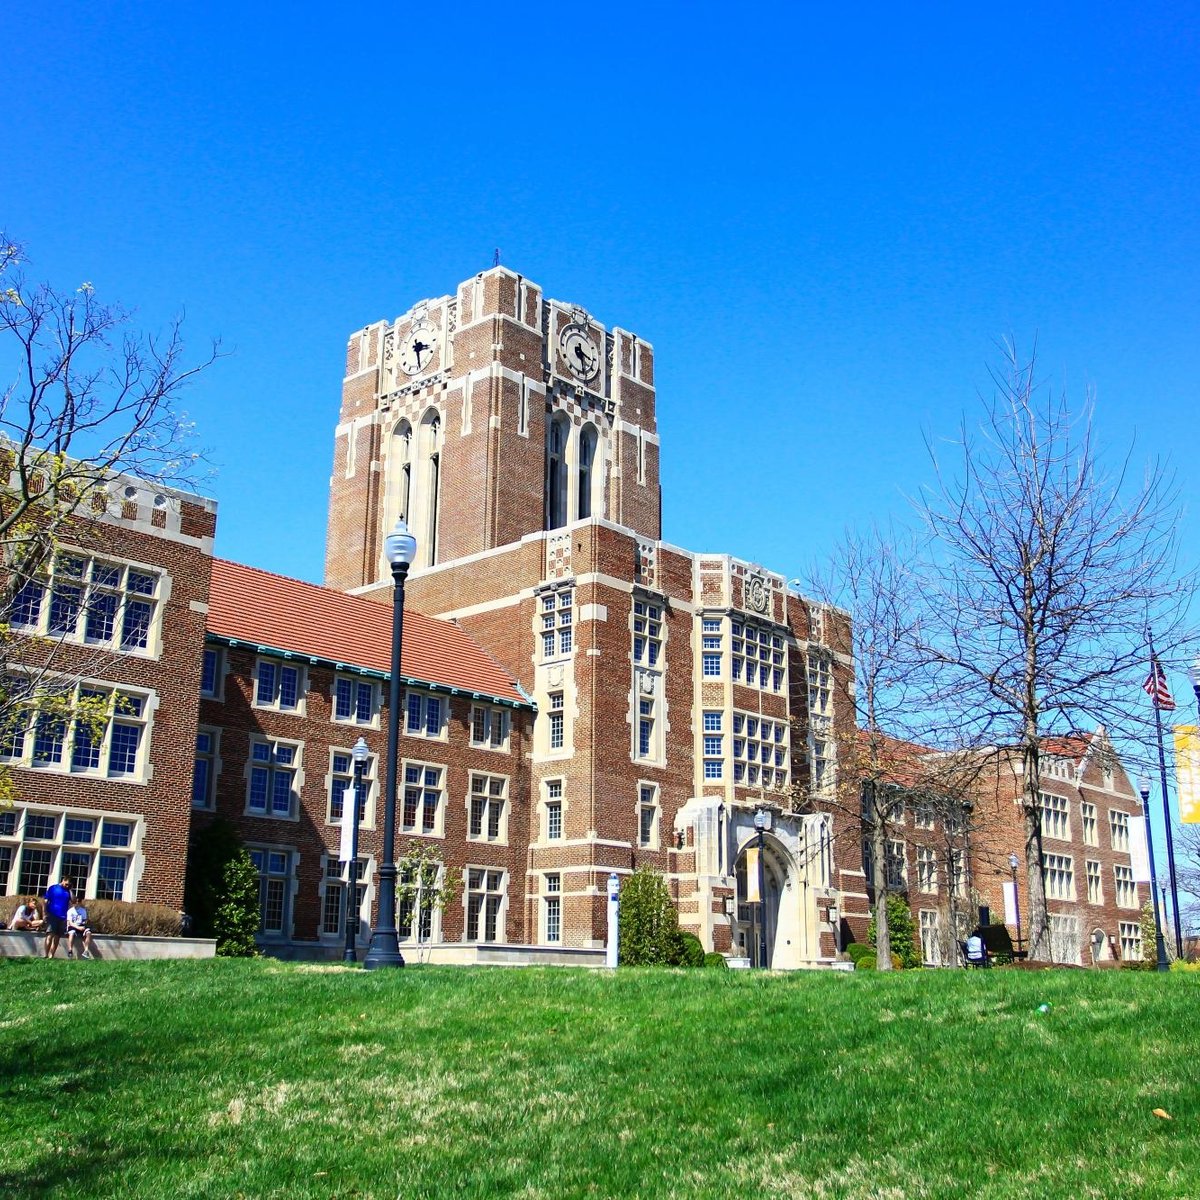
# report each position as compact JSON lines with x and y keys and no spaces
{"x":752,"y":896}
{"x":1187,"y":772}
{"x":1010,"y":902}
{"x":1139,"y":852}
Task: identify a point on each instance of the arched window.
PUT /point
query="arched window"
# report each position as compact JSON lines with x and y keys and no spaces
{"x":399,"y":474}
{"x":424,"y":522}
{"x":557,"y":433}
{"x":587,"y":459}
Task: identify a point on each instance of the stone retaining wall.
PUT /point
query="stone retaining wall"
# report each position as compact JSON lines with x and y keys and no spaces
{"x":20,"y":944}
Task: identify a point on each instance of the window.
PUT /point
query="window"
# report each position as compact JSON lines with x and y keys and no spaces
{"x":105,"y":736}
{"x":757,"y":656}
{"x":489,"y":727}
{"x":485,"y":888}
{"x":486,"y":819}
{"x":760,"y":754}
{"x":647,"y":633}
{"x":557,"y":622}
{"x":931,"y":938}
{"x":334,"y":898}
{"x":1060,"y":877}
{"x":557,"y":431}
{"x":95,"y":851}
{"x":1131,"y":940}
{"x":204,"y":771}
{"x":868,"y":861}
{"x":956,"y":860}
{"x":927,"y":872}
{"x":897,"y":865}
{"x":272,"y":790}
{"x":1087,"y":818}
{"x":712,"y":647}
{"x":423,"y":715}
{"x":646,"y":723}
{"x":354,"y":701}
{"x":1095,"y":887}
{"x":278,"y":686}
{"x":341,"y":784}
{"x":893,"y":810}
{"x":554,"y":810}
{"x":552,"y":907}
{"x":1064,"y":938}
{"x":714,"y":743}
{"x":211,"y":672}
{"x":819,"y":684}
{"x":556,"y":721}
{"x":1055,"y":816}
{"x":648,"y":816}
{"x":587,"y":461}
{"x":1118,"y":823}
{"x":274,"y":867}
{"x":1056,"y":766}
{"x":1125,"y":887}
{"x":819,"y":764}
{"x":418,"y":897}
{"x":92,"y":600}
{"x":422,"y":800}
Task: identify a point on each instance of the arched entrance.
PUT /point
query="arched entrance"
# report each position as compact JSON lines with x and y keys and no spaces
{"x":754,"y":911}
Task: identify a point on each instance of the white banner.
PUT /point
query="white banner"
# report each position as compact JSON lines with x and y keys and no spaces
{"x":751,"y":875}
{"x":1010,"y":903}
{"x":346,"y":850}
{"x":1139,"y":855}
{"x":1187,"y":772}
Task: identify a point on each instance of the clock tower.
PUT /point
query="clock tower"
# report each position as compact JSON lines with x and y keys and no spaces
{"x":484,"y":417}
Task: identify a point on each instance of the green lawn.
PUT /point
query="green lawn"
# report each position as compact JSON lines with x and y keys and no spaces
{"x":230,"y":1078}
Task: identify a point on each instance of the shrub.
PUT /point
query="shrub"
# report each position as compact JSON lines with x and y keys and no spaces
{"x":857,"y":950}
{"x":716,"y":960}
{"x":118,"y":917}
{"x":902,"y":932}
{"x":649,"y":923}
{"x":211,"y":849}
{"x":867,"y":963}
{"x":691,"y":951}
{"x":236,"y":921}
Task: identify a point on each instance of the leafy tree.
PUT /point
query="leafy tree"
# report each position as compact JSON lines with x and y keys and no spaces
{"x":86,"y":399}
{"x":903,"y":931}
{"x":649,"y":923}
{"x":1045,"y":570}
{"x":235,"y":923}
{"x":212,"y":849}
{"x":424,"y":885}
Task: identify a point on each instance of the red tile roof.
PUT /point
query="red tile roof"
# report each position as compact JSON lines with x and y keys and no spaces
{"x":261,"y":609}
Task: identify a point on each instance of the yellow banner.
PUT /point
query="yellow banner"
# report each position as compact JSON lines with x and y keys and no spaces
{"x":752,"y":875}
{"x":1187,"y":772}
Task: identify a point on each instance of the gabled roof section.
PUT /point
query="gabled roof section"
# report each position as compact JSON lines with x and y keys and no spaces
{"x":256,"y":608}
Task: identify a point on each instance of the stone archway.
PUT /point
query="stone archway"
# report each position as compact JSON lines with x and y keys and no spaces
{"x":775,"y":909}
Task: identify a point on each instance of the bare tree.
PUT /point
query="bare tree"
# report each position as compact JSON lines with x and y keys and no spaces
{"x":85,"y":399}
{"x":1045,"y":570}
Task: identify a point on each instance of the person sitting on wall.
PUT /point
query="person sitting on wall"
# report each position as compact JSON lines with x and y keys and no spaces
{"x":58,"y":901}
{"x":26,"y":917}
{"x":77,"y":927}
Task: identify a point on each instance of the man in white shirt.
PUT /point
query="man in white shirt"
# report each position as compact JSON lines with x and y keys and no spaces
{"x":77,"y":927}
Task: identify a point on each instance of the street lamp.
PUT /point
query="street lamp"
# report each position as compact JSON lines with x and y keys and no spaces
{"x":360,"y":754}
{"x":1160,"y":949}
{"x":1013,"y":863}
{"x":400,"y":548}
{"x":762,"y":822}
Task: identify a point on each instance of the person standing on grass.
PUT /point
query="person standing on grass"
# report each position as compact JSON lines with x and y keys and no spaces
{"x":77,"y":927}
{"x":58,"y":902}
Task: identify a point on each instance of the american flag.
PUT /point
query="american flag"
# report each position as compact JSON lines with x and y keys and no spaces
{"x":1156,"y":687}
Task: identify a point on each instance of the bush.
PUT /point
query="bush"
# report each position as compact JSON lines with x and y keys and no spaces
{"x":857,"y":950}
{"x":117,"y":917}
{"x":649,"y":926}
{"x":902,"y":932}
{"x":868,"y":963}
{"x":236,"y":922}
{"x":211,"y":848}
{"x":691,"y":951}
{"x":716,"y":960}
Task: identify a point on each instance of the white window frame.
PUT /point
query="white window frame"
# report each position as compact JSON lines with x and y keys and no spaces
{"x":1059,"y":876}
{"x":217,"y":691}
{"x":333,"y":882}
{"x":493,"y":796}
{"x":1118,"y":830}
{"x":487,"y":883}
{"x":275,"y":703}
{"x":1054,"y":813}
{"x":423,"y":703}
{"x":1124,"y":886}
{"x":287,"y":880}
{"x":927,"y":870}
{"x":649,"y":804}
{"x":1094,"y":871}
{"x":896,"y":856}
{"x":212,"y":757}
{"x":355,"y":683}
{"x":551,"y":921}
{"x":553,"y":796}
{"x":422,"y":785}
{"x":555,"y":623}
{"x":646,"y":622}
{"x":295,"y":766}
{"x":490,"y":727}
{"x":1089,"y":821}
{"x":1130,"y":934}
{"x":931,"y":937}
{"x":366,"y":818}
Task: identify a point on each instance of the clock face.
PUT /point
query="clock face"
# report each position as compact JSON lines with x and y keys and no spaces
{"x":580,"y":352}
{"x":418,"y":349}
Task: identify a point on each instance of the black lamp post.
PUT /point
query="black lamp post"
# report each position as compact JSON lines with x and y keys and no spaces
{"x":762,"y":822}
{"x":400,"y":548}
{"x":360,"y":754}
{"x":1160,"y":949}
{"x":1013,"y":863}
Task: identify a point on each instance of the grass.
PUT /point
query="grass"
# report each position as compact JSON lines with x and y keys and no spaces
{"x":236,"y":1078}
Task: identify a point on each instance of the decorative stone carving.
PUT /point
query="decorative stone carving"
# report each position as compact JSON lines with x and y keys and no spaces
{"x":757,"y":594}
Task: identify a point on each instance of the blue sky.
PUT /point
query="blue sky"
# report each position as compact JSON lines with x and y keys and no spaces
{"x":823,"y":218}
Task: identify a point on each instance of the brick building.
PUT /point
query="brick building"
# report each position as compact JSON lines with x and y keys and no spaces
{"x":675,"y":692}
{"x":120,"y":616}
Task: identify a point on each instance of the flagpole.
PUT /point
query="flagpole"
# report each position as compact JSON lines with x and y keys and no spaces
{"x":1157,"y":671}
